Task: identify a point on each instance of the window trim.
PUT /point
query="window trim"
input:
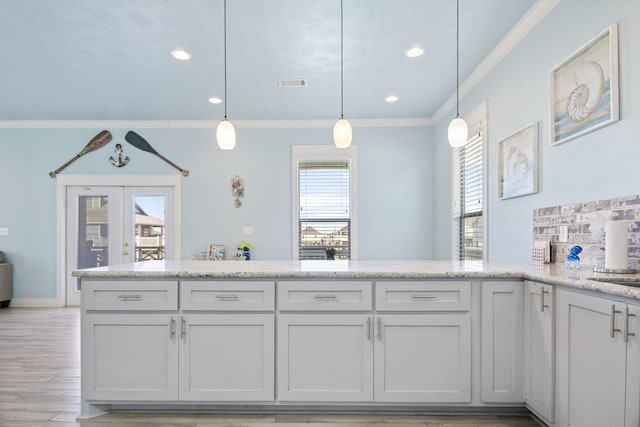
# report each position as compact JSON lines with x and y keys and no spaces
{"x":308,"y":153}
{"x":477,"y":121}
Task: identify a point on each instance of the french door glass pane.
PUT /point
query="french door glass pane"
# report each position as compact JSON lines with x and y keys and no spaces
{"x":149,"y":227}
{"x":93,"y":232}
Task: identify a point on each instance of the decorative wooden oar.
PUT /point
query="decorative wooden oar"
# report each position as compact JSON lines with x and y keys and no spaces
{"x":96,"y":142}
{"x":141,"y":143}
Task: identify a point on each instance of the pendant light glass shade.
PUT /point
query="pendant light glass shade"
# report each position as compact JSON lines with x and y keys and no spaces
{"x":458,"y":132}
{"x":226,"y":135}
{"x":342,"y":133}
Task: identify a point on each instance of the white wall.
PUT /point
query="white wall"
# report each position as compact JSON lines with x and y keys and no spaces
{"x":600,"y":165}
{"x":395,"y":197}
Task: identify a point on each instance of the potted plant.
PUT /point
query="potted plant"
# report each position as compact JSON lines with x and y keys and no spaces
{"x":245,"y":247}
{"x":330,"y":252}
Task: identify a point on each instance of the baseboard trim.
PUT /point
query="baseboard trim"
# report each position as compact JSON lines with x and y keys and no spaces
{"x":34,"y":302}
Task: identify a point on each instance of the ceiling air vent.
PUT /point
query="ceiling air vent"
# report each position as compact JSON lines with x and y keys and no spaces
{"x":292,"y":82}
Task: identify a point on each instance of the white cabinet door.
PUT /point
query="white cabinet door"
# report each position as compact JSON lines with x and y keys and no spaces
{"x":325,"y":357}
{"x":590,"y":362}
{"x":422,"y":358}
{"x":129,"y":357}
{"x":502,"y":342}
{"x":227,"y":357}
{"x":539,"y":349}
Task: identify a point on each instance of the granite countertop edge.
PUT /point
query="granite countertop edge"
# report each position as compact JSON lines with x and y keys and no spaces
{"x":550,"y":274}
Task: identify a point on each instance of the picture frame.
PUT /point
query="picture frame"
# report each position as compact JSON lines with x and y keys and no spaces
{"x":215,"y":253}
{"x":584,"y":88}
{"x":518,"y":163}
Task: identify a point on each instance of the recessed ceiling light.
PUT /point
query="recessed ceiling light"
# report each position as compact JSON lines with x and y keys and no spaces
{"x":391,"y":98}
{"x":415,"y":51}
{"x":180,"y":54}
{"x":215,"y":100}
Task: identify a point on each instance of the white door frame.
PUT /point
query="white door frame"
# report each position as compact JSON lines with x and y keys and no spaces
{"x":64,"y":181}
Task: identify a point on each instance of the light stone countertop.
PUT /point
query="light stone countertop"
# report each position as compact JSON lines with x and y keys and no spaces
{"x":548,"y":273}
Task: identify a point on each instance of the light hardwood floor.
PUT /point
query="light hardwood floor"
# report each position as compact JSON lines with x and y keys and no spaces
{"x":40,"y":386}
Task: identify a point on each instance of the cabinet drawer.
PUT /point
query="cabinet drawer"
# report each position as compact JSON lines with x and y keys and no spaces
{"x":130,"y":295}
{"x":324,"y":295}
{"x":437,"y":295}
{"x":227,"y":295}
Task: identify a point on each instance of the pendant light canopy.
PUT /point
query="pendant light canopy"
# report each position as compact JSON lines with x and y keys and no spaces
{"x":458,"y":130}
{"x":342,"y":128}
{"x":225,"y":134}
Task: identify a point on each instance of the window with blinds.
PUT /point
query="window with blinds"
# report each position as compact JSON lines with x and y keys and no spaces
{"x":468,"y":190}
{"x":325,"y":209}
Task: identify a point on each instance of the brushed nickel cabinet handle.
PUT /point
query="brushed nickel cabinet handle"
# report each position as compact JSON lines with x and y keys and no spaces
{"x":183,"y":328}
{"x":368,"y":329}
{"x":627,"y":334}
{"x":542,"y":304}
{"x":613,"y":320}
{"x":422,"y":297}
{"x":172,"y":328}
{"x":325,"y":297}
{"x":228,"y":297}
{"x":135,"y":297}
{"x":379,"y":329}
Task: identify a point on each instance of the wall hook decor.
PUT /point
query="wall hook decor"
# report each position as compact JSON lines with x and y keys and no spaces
{"x":96,"y":142}
{"x":118,"y":161}
{"x":141,"y":143}
{"x":237,"y":189}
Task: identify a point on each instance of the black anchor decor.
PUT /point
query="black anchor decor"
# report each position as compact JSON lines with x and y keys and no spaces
{"x":118,"y":161}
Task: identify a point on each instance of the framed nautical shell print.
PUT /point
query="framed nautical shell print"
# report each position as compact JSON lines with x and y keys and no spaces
{"x":518,"y":163}
{"x":584,"y":88}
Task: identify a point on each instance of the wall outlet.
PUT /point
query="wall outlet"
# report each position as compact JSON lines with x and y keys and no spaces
{"x":247,"y":230}
{"x":4,"y":231}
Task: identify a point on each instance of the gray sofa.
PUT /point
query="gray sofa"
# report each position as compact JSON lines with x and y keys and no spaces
{"x":6,"y":282}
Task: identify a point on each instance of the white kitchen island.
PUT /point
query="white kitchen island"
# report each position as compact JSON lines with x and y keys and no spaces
{"x":414,"y":336}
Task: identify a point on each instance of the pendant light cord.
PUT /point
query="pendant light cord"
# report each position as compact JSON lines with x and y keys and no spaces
{"x":225,"y":59}
{"x":457,"y":57}
{"x":341,"y":62}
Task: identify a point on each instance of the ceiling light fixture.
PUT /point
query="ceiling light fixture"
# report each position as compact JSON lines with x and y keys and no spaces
{"x":225,"y":134}
{"x":391,"y":98}
{"x":342,"y":128}
{"x":180,"y":54}
{"x":415,"y":51}
{"x":458,"y":130}
{"x":215,"y":100}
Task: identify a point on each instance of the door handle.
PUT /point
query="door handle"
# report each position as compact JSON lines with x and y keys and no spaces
{"x":613,"y":320}
{"x":368,"y":329}
{"x":183,"y":328}
{"x":379,"y":329}
{"x":172,"y":328}
{"x":627,"y":334}
{"x":542,"y":304}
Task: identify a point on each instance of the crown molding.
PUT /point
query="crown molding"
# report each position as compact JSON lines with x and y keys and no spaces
{"x":527,"y":23}
{"x":207,"y":124}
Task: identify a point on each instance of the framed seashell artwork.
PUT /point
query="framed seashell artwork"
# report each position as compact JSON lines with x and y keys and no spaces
{"x":518,"y":163}
{"x":584,"y":88}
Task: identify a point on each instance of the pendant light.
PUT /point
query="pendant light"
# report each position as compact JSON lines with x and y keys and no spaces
{"x":225,"y":134}
{"x":342,"y":128}
{"x":458,"y":130}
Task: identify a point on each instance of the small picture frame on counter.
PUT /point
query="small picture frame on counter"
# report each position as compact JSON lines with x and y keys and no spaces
{"x":215,"y":253}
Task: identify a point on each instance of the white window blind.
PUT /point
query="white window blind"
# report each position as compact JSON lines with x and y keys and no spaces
{"x":468,"y":190}
{"x":325,"y":211}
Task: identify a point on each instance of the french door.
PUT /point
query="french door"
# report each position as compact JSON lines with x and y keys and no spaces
{"x":116,"y":225}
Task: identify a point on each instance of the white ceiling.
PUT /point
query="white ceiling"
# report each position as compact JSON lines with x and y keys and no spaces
{"x":110,"y":59}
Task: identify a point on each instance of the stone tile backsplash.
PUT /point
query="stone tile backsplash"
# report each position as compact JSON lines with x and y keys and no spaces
{"x":585,"y":226}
